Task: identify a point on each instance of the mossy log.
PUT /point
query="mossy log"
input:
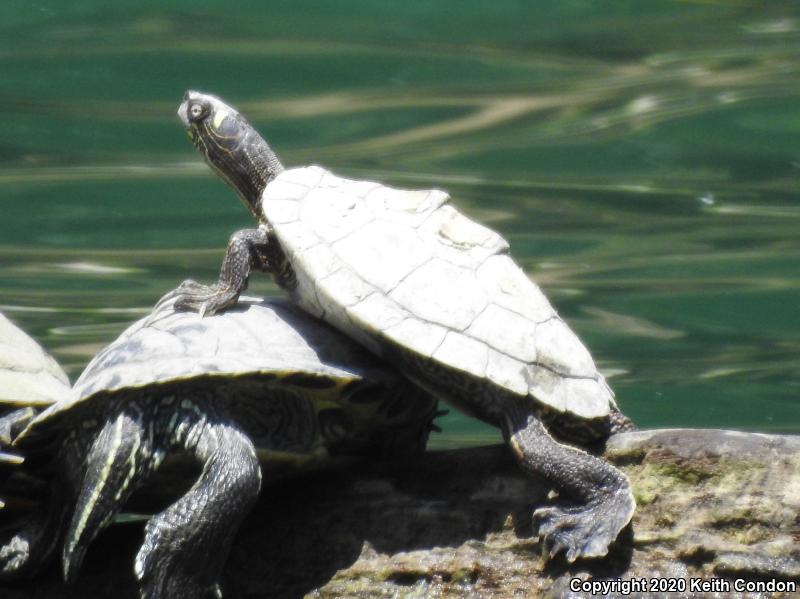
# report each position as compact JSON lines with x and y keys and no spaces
{"x":715,"y":508}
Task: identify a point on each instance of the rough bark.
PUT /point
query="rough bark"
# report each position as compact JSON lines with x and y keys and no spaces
{"x":712,"y":506}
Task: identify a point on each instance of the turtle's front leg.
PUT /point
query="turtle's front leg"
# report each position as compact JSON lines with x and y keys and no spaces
{"x":247,"y":249}
{"x":595,"y":499}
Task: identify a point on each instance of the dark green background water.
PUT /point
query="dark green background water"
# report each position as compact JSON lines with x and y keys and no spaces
{"x":643,"y":158}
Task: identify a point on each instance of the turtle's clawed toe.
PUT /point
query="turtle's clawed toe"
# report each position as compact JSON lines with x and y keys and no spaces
{"x":192,"y":296}
{"x":586,"y":531}
{"x":175,"y":293}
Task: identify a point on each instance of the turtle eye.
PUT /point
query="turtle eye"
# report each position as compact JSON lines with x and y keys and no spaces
{"x":196,"y":112}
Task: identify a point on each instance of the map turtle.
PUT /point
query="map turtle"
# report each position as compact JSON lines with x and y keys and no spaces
{"x":263,"y":383}
{"x":30,"y":381}
{"x":420,"y":284}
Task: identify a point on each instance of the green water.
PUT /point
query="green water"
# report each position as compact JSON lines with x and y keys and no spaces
{"x":643,"y":159}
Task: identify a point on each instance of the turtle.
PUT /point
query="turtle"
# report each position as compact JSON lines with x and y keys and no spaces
{"x":262,"y":383}
{"x":30,"y":380}
{"x":437,"y":294}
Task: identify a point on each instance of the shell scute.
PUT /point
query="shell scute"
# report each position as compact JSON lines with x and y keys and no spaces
{"x":302,"y":237}
{"x":345,"y":286}
{"x":333,"y":214}
{"x":442,"y":292}
{"x":284,"y":211}
{"x":28,"y":375}
{"x":445,"y":287}
{"x":322,"y":261}
{"x":411,"y":208}
{"x":383,"y":253}
{"x":308,"y":176}
{"x":421,"y":337}
{"x":508,"y":286}
{"x":256,"y":337}
{"x":506,"y":331}
{"x":458,"y":231}
{"x":356,"y":189}
{"x":305,"y":294}
{"x":377,"y":311}
{"x":559,"y":349}
{"x":463,"y":352}
{"x":507,"y":372}
{"x":412,"y":202}
{"x":457,"y":239}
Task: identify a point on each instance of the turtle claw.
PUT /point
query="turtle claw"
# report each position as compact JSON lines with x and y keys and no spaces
{"x":171,"y":296}
{"x":562,"y":544}
{"x":581,"y":532}
{"x":191,"y":296}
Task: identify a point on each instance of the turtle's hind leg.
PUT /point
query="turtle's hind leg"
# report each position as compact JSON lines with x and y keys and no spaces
{"x":119,"y":458}
{"x":186,"y":545}
{"x":596,"y":498}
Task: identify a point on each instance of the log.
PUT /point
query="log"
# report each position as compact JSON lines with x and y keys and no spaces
{"x":717,"y":516}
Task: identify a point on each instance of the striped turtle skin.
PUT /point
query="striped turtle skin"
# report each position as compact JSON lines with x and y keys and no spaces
{"x":263,"y":383}
{"x":416,"y":282}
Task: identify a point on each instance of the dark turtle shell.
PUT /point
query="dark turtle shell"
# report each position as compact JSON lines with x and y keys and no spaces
{"x":267,"y":362}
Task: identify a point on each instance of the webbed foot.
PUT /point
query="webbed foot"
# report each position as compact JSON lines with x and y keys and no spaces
{"x":583,"y":531}
{"x":596,"y":501}
{"x":196,"y":297}
{"x":247,"y":249}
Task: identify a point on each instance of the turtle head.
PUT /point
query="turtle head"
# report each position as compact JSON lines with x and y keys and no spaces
{"x":230,"y":145}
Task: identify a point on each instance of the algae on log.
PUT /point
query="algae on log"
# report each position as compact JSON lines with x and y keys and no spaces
{"x":714,"y":507}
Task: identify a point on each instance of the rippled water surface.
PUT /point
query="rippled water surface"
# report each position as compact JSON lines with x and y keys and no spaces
{"x":642,"y":158}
